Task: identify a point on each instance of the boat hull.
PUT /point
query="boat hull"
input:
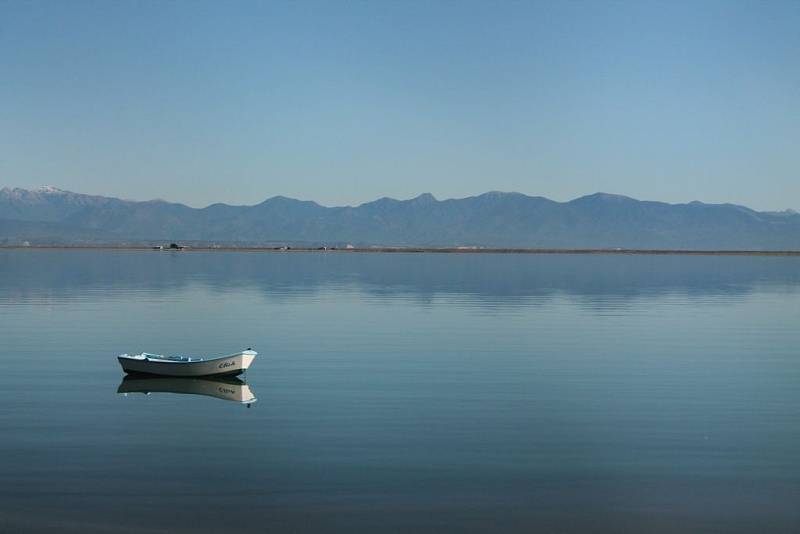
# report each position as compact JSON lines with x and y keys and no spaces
{"x":225,"y":365}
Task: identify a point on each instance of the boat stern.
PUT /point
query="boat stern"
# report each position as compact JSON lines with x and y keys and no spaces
{"x":129,"y":362}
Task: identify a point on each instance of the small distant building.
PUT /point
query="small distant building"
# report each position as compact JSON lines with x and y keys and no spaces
{"x":349,"y":246}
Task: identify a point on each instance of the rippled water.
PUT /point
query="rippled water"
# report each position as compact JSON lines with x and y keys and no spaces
{"x":403,"y":392}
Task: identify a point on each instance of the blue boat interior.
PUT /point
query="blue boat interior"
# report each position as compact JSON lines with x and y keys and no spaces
{"x":171,"y":358}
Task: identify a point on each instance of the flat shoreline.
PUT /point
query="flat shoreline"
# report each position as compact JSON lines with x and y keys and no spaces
{"x":417,"y":250}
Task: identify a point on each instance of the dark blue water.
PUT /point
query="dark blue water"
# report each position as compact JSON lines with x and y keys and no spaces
{"x":404,"y":393}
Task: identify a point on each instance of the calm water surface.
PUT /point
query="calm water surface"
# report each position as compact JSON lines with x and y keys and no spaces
{"x":462,"y":393}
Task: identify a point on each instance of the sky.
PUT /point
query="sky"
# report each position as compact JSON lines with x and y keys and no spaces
{"x":346,"y":101}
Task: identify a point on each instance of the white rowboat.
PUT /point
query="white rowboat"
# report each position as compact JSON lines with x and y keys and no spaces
{"x":156,"y":364}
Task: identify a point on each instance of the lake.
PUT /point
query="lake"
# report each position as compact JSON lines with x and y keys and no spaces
{"x":402,"y":393}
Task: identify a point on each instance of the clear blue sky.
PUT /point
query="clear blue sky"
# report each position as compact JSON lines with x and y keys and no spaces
{"x":343,"y":102}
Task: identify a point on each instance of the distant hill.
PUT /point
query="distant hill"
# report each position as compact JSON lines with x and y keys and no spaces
{"x":51,"y":216}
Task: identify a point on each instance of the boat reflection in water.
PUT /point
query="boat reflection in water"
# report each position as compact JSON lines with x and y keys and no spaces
{"x":225,"y":388}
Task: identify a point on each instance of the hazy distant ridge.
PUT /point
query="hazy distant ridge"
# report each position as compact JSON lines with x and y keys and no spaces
{"x":494,"y":219}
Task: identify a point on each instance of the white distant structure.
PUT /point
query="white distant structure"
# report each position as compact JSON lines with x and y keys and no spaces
{"x":349,"y":246}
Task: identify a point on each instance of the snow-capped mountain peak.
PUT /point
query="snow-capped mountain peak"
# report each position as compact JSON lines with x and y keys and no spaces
{"x":49,"y":189}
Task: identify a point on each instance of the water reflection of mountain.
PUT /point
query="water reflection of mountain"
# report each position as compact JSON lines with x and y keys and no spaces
{"x":225,"y":388}
{"x":64,"y":274}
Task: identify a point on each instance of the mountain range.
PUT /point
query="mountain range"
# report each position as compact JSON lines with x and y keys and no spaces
{"x":48,"y":215}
